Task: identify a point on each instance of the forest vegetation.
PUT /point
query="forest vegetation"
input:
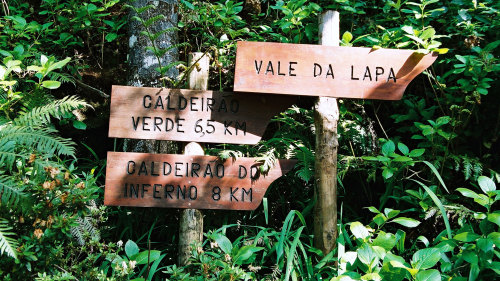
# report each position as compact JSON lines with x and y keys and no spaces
{"x":417,"y":178}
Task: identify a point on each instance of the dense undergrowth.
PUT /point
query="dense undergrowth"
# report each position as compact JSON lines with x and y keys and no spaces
{"x":418,"y":178}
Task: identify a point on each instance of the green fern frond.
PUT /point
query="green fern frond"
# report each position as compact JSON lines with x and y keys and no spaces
{"x":10,"y":192}
{"x":62,"y":77}
{"x":41,"y":115}
{"x":8,"y":245}
{"x":151,"y":21}
{"x":41,"y":139}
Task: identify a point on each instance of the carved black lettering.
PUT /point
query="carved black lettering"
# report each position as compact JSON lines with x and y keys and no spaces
{"x":254,"y":172}
{"x":144,"y":123}
{"x":159,"y":103}
{"x":248,"y":193}
{"x":208,"y":171}
{"x":144,"y":189}
{"x":317,"y":70}
{"x":130,"y":171}
{"x":177,"y":169}
{"x":193,"y":103}
{"x":270,"y":68}
{"x":235,"y":106}
{"x":169,"y":189}
{"x":156,"y":191}
{"x":134,"y":190}
{"x":378,"y":71}
{"x":391,"y":75}
{"x":242,"y":126}
{"x":258,"y":67}
{"x":195,"y":167}
{"x":168,"y":104}
{"x":179,"y":122}
{"x":352,"y":73}
{"x":242,"y":172}
{"x":193,"y":195}
{"x":182,"y":103}
{"x":279,"y":69}
{"x":169,"y":124}
{"x":367,"y":74}
{"x":330,"y":71}
{"x":216,"y":193}
{"x":165,"y":164}
{"x":219,"y":171}
{"x":143,"y":169}
{"x":181,"y":191}
{"x":157,"y":121}
{"x":222,"y":106}
{"x":232,"y":194}
{"x":135,"y":122}
{"x":146,"y":101}
{"x":210,"y":104}
{"x":226,"y":127}
{"x":290,"y":68}
{"x":153,"y":170}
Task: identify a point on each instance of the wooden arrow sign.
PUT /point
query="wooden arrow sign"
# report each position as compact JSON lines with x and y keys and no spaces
{"x":183,"y":181}
{"x":314,"y":70}
{"x":189,"y":115}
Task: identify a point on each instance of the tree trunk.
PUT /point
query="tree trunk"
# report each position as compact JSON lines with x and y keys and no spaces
{"x":326,"y":115}
{"x":142,"y":63}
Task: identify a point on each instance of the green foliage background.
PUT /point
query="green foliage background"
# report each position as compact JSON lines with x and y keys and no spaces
{"x":417,"y":178}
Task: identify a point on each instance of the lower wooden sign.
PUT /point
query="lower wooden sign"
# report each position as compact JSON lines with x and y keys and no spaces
{"x":191,"y":115}
{"x":184,"y":181}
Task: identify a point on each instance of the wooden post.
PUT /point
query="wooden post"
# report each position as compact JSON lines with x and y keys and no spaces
{"x":191,"y":221}
{"x":326,"y":115}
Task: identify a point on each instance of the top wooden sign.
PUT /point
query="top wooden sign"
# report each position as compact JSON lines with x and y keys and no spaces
{"x":315,"y":70}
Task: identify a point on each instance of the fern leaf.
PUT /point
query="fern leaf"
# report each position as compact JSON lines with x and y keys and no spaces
{"x":41,"y":115}
{"x":62,"y":77}
{"x":8,"y":245}
{"x":10,"y":192}
{"x":151,"y":21}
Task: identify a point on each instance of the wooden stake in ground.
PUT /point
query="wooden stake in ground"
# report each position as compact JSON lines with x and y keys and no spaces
{"x":326,"y":115}
{"x":191,"y":221}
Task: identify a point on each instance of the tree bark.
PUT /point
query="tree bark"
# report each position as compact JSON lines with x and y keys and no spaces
{"x":142,"y":63}
{"x":326,"y":115}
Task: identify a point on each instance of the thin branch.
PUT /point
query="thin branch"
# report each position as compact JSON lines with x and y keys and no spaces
{"x":90,"y":88}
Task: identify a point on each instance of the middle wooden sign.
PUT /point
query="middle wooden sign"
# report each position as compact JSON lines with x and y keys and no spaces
{"x":192,"y":115}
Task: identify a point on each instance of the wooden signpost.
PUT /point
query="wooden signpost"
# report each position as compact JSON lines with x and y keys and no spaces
{"x":314,"y":70}
{"x":192,"y":115}
{"x":187,"y":181}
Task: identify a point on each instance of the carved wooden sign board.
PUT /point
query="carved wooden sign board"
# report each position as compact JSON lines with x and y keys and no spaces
{"x":190,"y":115}
{"x":184,"y":181}
{"x":315,"y":70}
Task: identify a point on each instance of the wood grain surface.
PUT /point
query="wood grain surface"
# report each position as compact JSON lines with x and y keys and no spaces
{"x":186,"y":181}
{"x":192,"y":115}
{"x":314,"y":70}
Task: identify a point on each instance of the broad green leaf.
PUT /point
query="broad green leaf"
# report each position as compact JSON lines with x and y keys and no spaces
{"x":142,"y":257}
{"x":245,"y":252}
{"x":425,"y":258}
{"x":79,"y":125}
{"x":403,"y":148}
{"x":371,"y":276}
{"x":441,"y":51}
{"x":224,"y":243}
{"x":359,"y":230}
{"x":131,"y":248}
{"x":367,"y":255}
{"x":400,"y":158}
{"x":111,"y":36}
{"x":385,"y":240}
{"x":486,"y":184}
{"x":428,"y":275}
{"x":408,"y":222}
{"x":428,"y":33}
{"x":387,"y":173}
{"x":388,"y":148}
{"x":494,"y":217}
{"x":495,"y":237}
{"x":468,"y":193}
{"x":51,"y":84}
{"x":484,"y":244}
{"x":390,"y":213}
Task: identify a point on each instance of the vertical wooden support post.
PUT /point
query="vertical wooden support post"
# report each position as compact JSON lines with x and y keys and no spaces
{"x":191,"y":221}
{"x":326,"y":115}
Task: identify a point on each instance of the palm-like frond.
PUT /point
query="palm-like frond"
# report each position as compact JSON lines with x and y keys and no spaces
{"x":8,"y":245}
{"x":10,"y":192}
{"x":41,"y":115}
